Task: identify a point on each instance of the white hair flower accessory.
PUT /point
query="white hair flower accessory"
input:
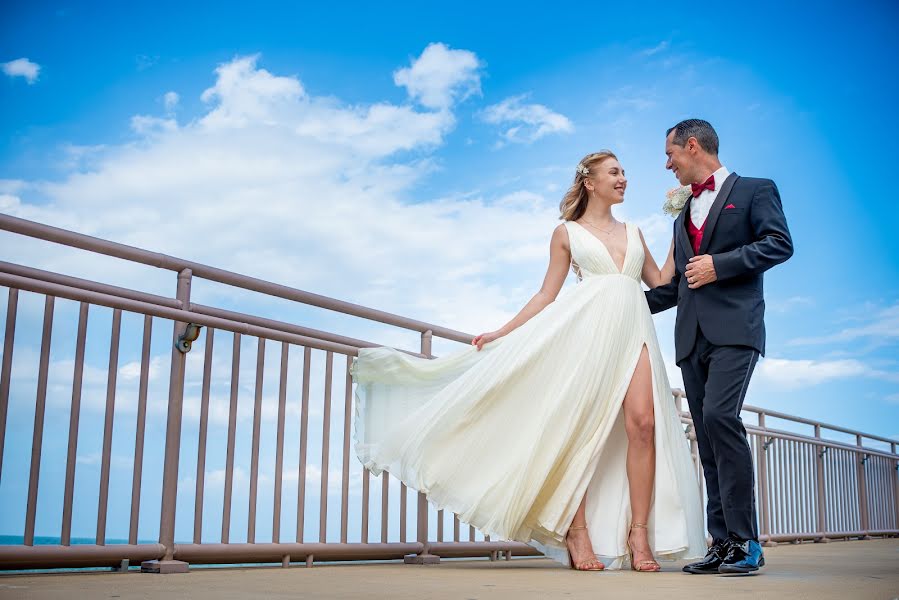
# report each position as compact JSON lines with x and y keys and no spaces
{"x":582,"y":169}
{"x":676,"y":199}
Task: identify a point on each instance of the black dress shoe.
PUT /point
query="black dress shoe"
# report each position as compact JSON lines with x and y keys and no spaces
{"x":743,"y":557}
{"x":713,"y":559}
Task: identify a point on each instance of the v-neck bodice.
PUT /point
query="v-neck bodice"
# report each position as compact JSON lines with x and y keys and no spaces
{"x":590,"y":256}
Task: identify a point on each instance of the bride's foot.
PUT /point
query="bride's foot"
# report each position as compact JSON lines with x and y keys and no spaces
{"x":580,"y":550}
{"x":640,"y":553}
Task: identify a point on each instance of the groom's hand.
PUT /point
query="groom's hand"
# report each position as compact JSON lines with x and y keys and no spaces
{"x":700,"y":271}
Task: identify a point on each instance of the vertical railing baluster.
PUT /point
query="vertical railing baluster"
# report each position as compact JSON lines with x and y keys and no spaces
{"x":811,"y":467}
{"x":279,"y":445}
{"x":843,"y":510}
{"x":402,"y":512}
{"x":254,"y":458}
{"x":326,"y":447}
{"x":103,"y":502}
{"x":140,"y":428}
{"x":895,"y":479}
{"x":792,"y":490}
{"x":878,"y":496}
{"x":65,"y":536}
{"x":232,"y":432}
{"x":778,"y":497}
{"x":849,"y":491}
{"x":385,"y":489}
{"x":38,"y":434}
{"x":9,"y":336}
{"x":203,"y":430}
{"x":831,"y":481}
{"x":762,"y":460}
{"x":345,"y":477}
{"x":304,"y":432}
{"x":366,"y":476}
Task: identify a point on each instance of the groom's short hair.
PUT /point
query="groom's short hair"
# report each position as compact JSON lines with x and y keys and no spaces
{"x":695,"y":128}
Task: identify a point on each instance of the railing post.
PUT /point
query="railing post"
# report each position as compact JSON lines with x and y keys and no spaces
{"x":861,"y":461}
{"x":821,"y":495}
{"x":172,"y":445}
{"x":895,"y":485}
{"x":425,"y":558}
{"x":764,"y":504}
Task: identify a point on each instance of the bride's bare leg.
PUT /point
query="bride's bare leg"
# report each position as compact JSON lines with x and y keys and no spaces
{"x":578,"y":541}
{"x":639,"y":422}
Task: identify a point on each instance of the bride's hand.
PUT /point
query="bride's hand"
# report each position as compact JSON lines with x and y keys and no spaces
{"x":485,"y":338}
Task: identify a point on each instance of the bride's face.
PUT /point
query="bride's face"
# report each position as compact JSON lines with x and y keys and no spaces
{"x":607,"y":181}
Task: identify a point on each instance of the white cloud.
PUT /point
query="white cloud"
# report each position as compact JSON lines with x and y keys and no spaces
{"x":525,"y":122}
{"x":22,"y":67}
{"x":660,"y":47}
{"x":791,"y":303}
{"x":793,"y":374}
{"x":245,"y":94}
{"x":147,"y":125}
{"x":131,"y":371}
{"x":280,"y":175}
{"x":892,"y":398}
{"x":441,"y":76}
{"x":170,"y":101}
{"x":878,"y":325}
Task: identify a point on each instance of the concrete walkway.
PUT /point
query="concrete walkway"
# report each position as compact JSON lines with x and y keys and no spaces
{"x":853,"y":570}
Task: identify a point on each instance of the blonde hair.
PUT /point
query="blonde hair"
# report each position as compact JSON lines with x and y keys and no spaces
{"x":574,"y":203}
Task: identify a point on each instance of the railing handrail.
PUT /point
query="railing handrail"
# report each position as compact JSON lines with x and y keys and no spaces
{"x":121,"y":292}
{"x":782,"y":434}
{"x":171,"y":263}
{"x":804,"y":421}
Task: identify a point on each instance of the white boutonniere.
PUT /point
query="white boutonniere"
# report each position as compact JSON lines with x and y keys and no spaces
{"x":676,"y":199}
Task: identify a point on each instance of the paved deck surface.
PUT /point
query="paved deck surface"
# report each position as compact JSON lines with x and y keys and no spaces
{"x":845,"y":570}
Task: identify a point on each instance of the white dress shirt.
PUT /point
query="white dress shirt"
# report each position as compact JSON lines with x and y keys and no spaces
{"x":700,"y":206}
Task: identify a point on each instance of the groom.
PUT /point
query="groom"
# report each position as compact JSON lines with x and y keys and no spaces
{"x":729,"y":233}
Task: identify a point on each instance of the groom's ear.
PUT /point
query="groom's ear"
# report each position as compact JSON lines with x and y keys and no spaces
{"x":693,"y":145}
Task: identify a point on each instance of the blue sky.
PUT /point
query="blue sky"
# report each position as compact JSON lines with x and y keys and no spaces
{"x":412,"y":159}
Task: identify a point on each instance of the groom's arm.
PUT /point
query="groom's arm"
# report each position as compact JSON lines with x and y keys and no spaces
{"x":774,"y":244}
{"x":664,"y":296}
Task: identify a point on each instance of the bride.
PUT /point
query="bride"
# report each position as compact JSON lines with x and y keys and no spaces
{"x":558,"y":429}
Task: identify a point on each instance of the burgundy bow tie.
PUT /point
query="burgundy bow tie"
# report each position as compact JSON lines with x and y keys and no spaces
{"x":708,"y":185}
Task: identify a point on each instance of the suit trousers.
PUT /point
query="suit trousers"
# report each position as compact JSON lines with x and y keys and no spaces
{"x":715,"y":378}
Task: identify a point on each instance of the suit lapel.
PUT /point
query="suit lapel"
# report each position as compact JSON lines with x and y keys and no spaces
{"x":715,"y":210}
{"x":681,"y":227}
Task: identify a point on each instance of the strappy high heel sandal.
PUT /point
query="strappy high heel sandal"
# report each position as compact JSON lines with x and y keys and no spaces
{"x":644,"y":566}
{"x":591,"y":564}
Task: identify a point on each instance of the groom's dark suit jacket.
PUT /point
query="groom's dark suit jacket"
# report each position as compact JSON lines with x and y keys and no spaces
{"x":746,"y":234}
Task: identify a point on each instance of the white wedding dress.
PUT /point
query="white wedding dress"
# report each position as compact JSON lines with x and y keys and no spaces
{"x":511,"y":437}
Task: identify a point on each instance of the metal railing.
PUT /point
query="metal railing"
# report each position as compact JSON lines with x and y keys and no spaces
{"x":809,"y":487}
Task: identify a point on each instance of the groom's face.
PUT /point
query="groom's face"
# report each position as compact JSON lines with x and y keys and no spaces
{"x":681,"y":160}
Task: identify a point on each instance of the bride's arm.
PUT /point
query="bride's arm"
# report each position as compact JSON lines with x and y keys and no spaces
{"x":652,"y":275}
{"x":559,"y":262}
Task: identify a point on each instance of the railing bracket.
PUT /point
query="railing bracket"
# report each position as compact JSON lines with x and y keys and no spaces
{"x":186,"y":339}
